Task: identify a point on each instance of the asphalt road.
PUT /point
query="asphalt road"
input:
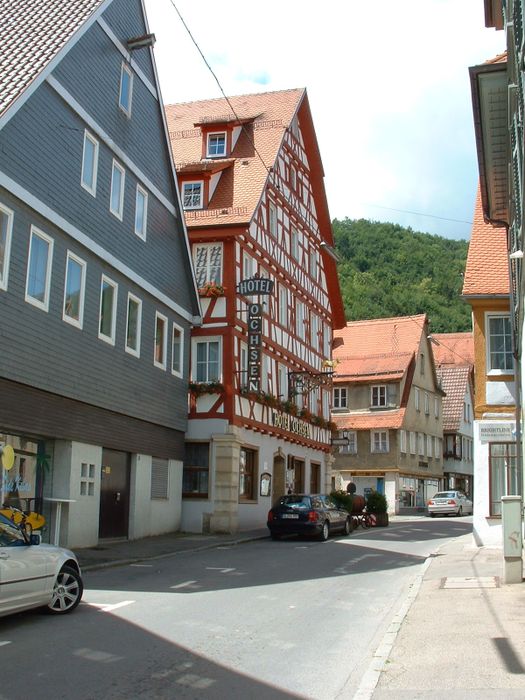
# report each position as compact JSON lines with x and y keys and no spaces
{"x":288,"y":619}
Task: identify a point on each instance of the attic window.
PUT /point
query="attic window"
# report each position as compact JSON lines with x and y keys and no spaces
{"x":216,"y":145}
{"x":192,"y":195}
{"x":126,"y":89}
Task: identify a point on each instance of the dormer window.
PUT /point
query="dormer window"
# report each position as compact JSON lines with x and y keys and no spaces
{"x":192,"y":195}
{"x":216,"y":145}
{"x":378,"y":396}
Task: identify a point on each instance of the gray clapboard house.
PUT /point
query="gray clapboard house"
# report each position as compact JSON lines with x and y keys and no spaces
{"x":97,"y":292}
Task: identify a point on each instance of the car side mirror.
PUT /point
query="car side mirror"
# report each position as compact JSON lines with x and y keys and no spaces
{"x":34,"y":539}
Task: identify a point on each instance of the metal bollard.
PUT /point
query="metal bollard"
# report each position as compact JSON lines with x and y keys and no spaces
{"x":512,"y":539}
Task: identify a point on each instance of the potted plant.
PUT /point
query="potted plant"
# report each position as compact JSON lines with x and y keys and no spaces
{"x":343,"y":499}
{"x":377,"y":505}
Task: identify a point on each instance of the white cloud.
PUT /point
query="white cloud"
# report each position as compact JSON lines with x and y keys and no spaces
{"x":388,"y":86}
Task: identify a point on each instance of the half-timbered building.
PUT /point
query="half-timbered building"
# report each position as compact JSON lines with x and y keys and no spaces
{"x":251,"y":182}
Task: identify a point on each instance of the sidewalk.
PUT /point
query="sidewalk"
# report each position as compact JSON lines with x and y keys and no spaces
{"x":461,"y":633}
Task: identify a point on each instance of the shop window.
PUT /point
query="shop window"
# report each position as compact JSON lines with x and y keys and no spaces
{"x":196,"y":470}
{"x":247,"y":474}
{"x":159,"y":479}
{"x":503,"y":473}
{"x":87,"y":479}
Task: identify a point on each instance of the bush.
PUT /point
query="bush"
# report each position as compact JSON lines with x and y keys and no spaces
{"x":343,"y":500}
{"x":376,"y":503}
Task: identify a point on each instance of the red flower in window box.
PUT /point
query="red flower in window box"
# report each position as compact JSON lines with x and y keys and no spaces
{"x":211,"y":289}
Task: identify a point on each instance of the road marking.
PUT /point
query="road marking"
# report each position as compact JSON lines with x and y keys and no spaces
{"x":3,"y":644}
{"x":184,"y":585}
{"x":218,"y":568}
{"x":108,"y":607}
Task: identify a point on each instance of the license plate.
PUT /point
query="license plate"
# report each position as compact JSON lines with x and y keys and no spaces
{"x":439,"y":502}
{"x":290,"y":516}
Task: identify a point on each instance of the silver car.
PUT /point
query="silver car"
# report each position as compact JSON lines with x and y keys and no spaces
{"x":449,"y":503}
{"x":34,"y":575}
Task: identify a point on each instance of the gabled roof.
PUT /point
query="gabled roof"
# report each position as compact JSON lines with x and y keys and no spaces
{"x":267,"y":115}
{"x":454,"y":381}
{"x":380,"y":349}
{"x":487,"y":269}
{"x":32,"y":33}
{"x":453,"y":349}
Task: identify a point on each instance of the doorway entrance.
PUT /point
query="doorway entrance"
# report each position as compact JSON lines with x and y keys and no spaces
{"x":278,"y":480}
{"x":114,"y":494}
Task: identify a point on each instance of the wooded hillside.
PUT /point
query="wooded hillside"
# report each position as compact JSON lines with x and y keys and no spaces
{"x":388,"y":270}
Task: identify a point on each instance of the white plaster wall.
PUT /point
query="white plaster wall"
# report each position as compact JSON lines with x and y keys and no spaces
{"x":501,"y":393}
{"x":153,"y":516}
{"x":79,"y":521}
{"x":486,"y":531}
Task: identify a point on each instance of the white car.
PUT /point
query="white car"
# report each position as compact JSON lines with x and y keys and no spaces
{"x":34,"y":575}
{"x":449,"y":503}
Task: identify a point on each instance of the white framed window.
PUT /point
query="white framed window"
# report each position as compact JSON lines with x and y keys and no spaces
{"x":207,"y":262}
{"x":427,"y":404}
{"x":412,"y":442}
{"x":314,"y":264}
{"x":378,"y":395}
{"x":161,"y":341}
{"x":340,"y":397}
{"x":192,"y":195}
{"x":126,"y":89}
{"x":379,"y":441}
{"x":88,"y":178}
{"x":438,"y":447}
{"x":283,"y":305}
{"x":74,"y":289}
{"x":421,"y":444}
{"x":300,"y":319}
{"x":118,"y":178}
{"x":294,"y":243}
{"x":177,"y":350}
{"x":133,"y":325}
{"x":108,"y":310}
{"x":141,"y":212}
{"x":314,"y":331}
{"x":206,"y":357}
{"x":248,"y":266}
{"x":416,"y":398}
{"x":216,"y":145}
{"x":272,"y":219}
{"x":39,"y":262}
{"x":351,"y":446}
{"x":6,"y":232}
{"x":403,"y":441}
{"x":87,"y":479}
{"x":429,"y":446}
{"x":436,"y":407}
{"x":499,"y":344}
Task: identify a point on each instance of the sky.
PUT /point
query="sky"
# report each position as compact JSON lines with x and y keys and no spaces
{"x":387,"y":81}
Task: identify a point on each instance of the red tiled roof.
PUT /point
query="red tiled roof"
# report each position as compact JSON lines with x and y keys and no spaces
{"x":453,"y":349}
{"x":370,"y":421}
{"x":454,"y":381}
{"x":487,"y":271}
{"x":270,"y":113}
{"x":32,"y":34}
{"x":383,"y":347}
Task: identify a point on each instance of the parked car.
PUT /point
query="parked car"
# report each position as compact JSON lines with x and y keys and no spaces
{"x":34,"y":575}
{"x":449,"y":503}
{"x":313,"y":515}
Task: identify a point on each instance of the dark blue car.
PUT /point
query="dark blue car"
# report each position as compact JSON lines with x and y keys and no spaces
{"x":314,"y":515}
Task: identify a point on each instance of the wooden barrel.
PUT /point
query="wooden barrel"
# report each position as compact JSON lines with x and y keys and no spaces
{"x":358,"y":503}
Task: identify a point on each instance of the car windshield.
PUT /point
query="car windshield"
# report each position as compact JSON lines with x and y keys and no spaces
{"x":444,"y":494}
{"x":294,"y":501}
{"x":10,"y":534}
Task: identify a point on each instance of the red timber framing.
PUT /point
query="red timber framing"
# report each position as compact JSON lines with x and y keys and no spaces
{"x":283,"y":235}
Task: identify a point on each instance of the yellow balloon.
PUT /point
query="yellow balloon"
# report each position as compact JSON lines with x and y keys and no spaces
{"x":7,"y":456}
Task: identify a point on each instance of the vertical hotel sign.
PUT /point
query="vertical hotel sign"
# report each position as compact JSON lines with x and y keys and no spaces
{"x":255,"y":286}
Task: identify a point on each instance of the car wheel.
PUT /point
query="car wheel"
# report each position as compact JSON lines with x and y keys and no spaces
{"x":348,"y":527}
{"x":460,"y":511}
{"x":67,"y":592}
{"x":432,"y":515}
{"x":325,"y":532}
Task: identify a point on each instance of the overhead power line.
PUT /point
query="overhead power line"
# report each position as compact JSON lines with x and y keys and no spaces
{"x":419,"y":213}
